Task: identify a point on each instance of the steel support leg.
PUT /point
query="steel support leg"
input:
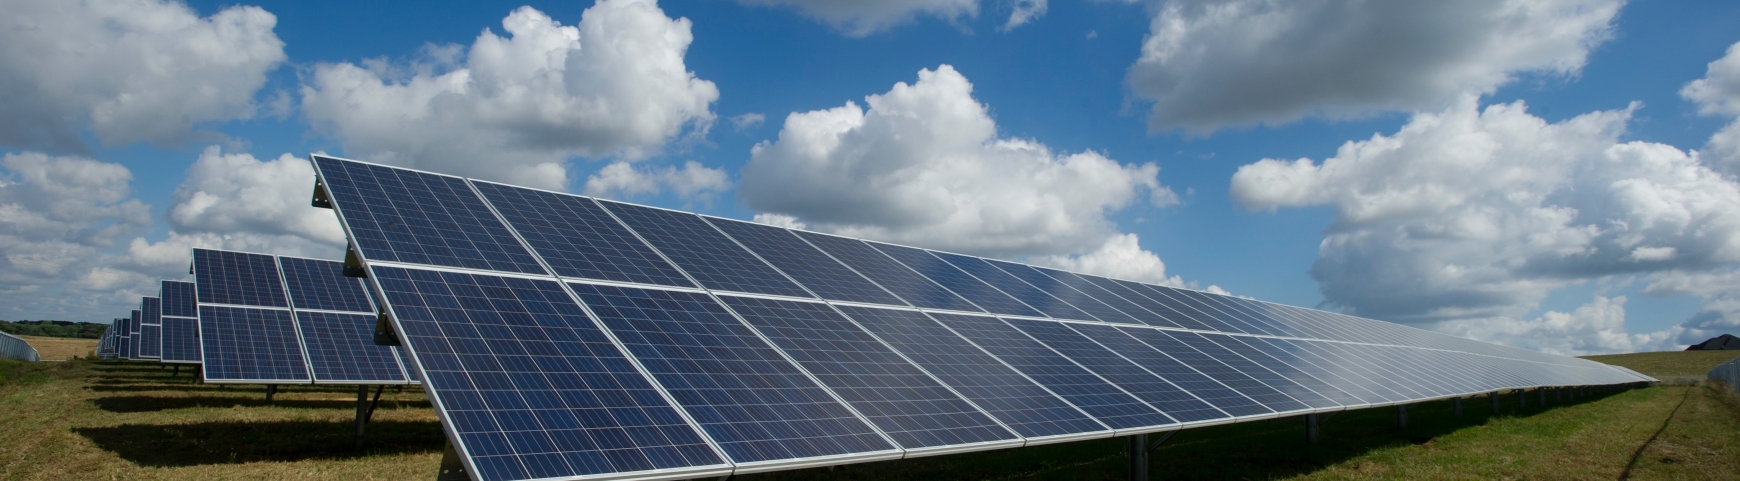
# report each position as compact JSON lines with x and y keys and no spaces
{"x":271,"y":389}
{"x":362,"y":399}
{"x":1138,"y":457}
{"x":1494,"y":398}
{"x":452,"y":469}
{"x":1543,"y":392}
{"x":1311,"y":428}
{"x":176,"y":372}
{"x":1456,"y":406}
{"x":1522,"y":399}
{"x":1402,"y":416}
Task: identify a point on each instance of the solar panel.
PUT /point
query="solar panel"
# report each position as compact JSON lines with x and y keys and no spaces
{"x":1135,"y":313}
{"x":885,"y":272}
{"x":133,"y":326}
{"x":578,"y":238}
{"x":1228,"y":375}
{"x":151,"y":328}
{"x":1044,"y":300}
{"x":703,"y":252}
{"x":1181,"y":302}
{"x":1203,"y":386}
{"x":237,"y":278}
{"x":528,"y":387}
{"x":1162,"y":395}
{"x":981,"y":294}
{"x":756,"y":405}
{"x":340,"y":351}
{"x":1084,"y":389}
{"x":805,"y":264}
{"x":179,"y":299}
{"x":250,"y":345}
{"x":1142,"y":296}
{"x":999,"y":390}
{"x":321,"y":285}
{"x":1309,"y":381}
{"x":123,"y":338}
{"x":400,"y":215}
{"x":899,"y":398}
{"x":180,"y":340}
{"x":1356,"y":382}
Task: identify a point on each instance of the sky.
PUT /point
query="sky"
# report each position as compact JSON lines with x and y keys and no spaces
{"x":1558,"y":175}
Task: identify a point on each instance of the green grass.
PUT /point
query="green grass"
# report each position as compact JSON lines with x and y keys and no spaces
{"x":1674,"y":367}
{"x":113,"y":420}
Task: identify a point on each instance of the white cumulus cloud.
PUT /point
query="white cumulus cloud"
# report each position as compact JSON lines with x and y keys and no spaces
{"x":127,"y":70}
{"x":57,"y":217}
{"x":693,"y":182}
{"x":1718,"y":94}
{"x":1209,"y":64}
{"x":1474,"y":215}
{"x":923,"y":165}
{"x":857,"y":18}
{"x":1023,"y":11}
{"x":516,"y":108}
{"x":1121,"y":257}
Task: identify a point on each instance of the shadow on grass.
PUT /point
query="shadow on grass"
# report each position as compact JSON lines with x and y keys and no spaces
{"x":139,"y":404}
{"x":244,"y":442}
{"x":1269,"y":449}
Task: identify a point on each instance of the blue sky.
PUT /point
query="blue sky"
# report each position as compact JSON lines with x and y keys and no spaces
{"x":1074,"y":106}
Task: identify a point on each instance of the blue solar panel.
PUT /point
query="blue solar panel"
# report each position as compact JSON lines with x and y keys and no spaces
{"x":1135,"y":293}
{"x":1206,"y":344}
{"x":1405,"y":387}
{"x":318,"y":284}
{"x":1046,"y":284}
{"x":528,"y":386}
{"x":898,"y":397}
{"x":1207,"y":313}
{"x":151,"y":328}
{"x":1165,"y":396}
{"x":995,"y":387}
{"x":340,"y":349}
{"x":124,"y":338}
{"x":407,"y":216}
{"x":237,"y":278}
{"x":754,"y":403}
{"x":808,"y":266}
{"x":1286,"y":371}
{"x":1207,"y":364}
{"x":1355,"y":382}
{"x":133,"y":326}
{"x":1173,"y":370}
{"x":1228,"y":305}
{"x":180,"y":339}
{"x":179,"y":299}
{"x":1111,"y":299}
{"x":1180,"y":312}
{"x":1099,"y":398}
{"x":577,"y":238}
{"x":955,"y":280}
{"x":1206,"y":303}
{"x":896,"y":278}
{"x":703,"y":252}
{"x":1041,"y":298}
{"x":248,"y":345}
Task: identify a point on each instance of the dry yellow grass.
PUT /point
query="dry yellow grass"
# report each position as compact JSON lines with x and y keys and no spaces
{"x":60,"y":348}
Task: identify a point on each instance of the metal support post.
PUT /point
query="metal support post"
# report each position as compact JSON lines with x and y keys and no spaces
{"x":1494,"y":398}
{"x":176,"y":372}
{"x":271,"y":389}
{"x":1522,"y":399}
{"x":1311,"y":432}
{"x":1543,"y":392}
{"x":1456,"y":406}
{"x":362,"y":398}
{"x":1559,"y":395}
{"x":452,"y":469}
{"x":1402,"y":416}
{"x":1138,"y":457}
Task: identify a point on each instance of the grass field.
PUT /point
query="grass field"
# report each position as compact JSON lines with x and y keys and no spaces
{"x":1670,"y":366}
{"x":60,"y":348}
{"x":117,"y":420}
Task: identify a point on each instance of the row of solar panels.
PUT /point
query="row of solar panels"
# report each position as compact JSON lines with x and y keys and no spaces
{"x":262,"y":319}
{"x":569,"y":337}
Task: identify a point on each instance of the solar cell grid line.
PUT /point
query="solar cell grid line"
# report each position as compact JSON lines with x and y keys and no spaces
{"x":1040,"y":300}
{"x":1161,"y":316}
{"x":1221,"y":303}
{"x":408,"y":216}
{"x":341,"y":350}
{"x":1111,"y":405}
{"x":904,"y":283}
{"x":1062,"y":292}
{"x":1458,"y":380}
{"x":905,"y":402}
{"x":804,"y":263}
{"x":1207,"y":364}
{"x":1168,"y":398}
{"x":237,"y":278}
{"x":577,"y":238}
{"x":947,"y":275}
{"x":1208,"y":344}
{"x":529,"y":387}
{"x":245,"y":345}
{"x":1116,"y":301}
{"x":1024,"y":406}
{"x":757,"y":406}
{"x":1175,"y":371}
{"x":1481,"y":371}
{"x":321,"y":285}
{"x":703,"y":252}
{"x":179,"y":299}
{"x":1183,"y":296}
{"x":1305,"y":375}
{"x":180,"y":340}
{"x":1414,"y":382}
{"x":1435,"y":382}
{"x":1180,"y":314}
{"x":151,"y":328}
{"x":1351,"y":379}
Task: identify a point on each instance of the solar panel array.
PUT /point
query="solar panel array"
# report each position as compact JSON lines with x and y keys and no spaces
{"x":567,"y":337}
{"x":266,"y":319}
{"x":180,"y":320}
{"x":150,"y":328}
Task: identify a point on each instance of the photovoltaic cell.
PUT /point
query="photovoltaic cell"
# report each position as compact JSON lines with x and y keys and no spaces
{"x":895,"y":395}
{"x":996,"y":388}
{"x":181,"y":339}
{"x":1042,"y":300}
{"x":809,"y":266}
{"x":318,"y":284}
{"x":577,"y":238}
{"x":179,"y":299}
{"x":528,"y":385}
{"x":756,"y":405}
{"x":1101,"y":399}
{"x":1165,"y":396}
{"x":1214,"y":368}
{"x":700,"y":250}
{"x":896,"y":278}
{"x":237,"y":278}
{"x":955,"y":280}
{"x":151,"y":328}
{"x":340,"y":349}
{"x":250,"y":345}
{"x":406,"y":216}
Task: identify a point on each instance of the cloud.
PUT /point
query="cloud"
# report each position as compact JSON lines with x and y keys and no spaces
{"x":1470,"y":214}
{"x":1718,"y":94}
{"x":516,"y":108}
{"x":856,"y":18}
{"x":1121,"y":257}
{"x":1211,"y":64}
{"x":693,"y":182}
{"x":1594,"y":328}
{"x":128,"y":71}
{"x":747,"y":121}
{"x":57,"y":216}
{"x":780,"y":220}
{"x":237,"y":193}
{"x":1719,"y":291}
{"x":1024,"y":11}
{"x":923,"y":165}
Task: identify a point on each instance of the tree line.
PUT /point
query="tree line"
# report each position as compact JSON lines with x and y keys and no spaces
{"x":85,"y":330}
